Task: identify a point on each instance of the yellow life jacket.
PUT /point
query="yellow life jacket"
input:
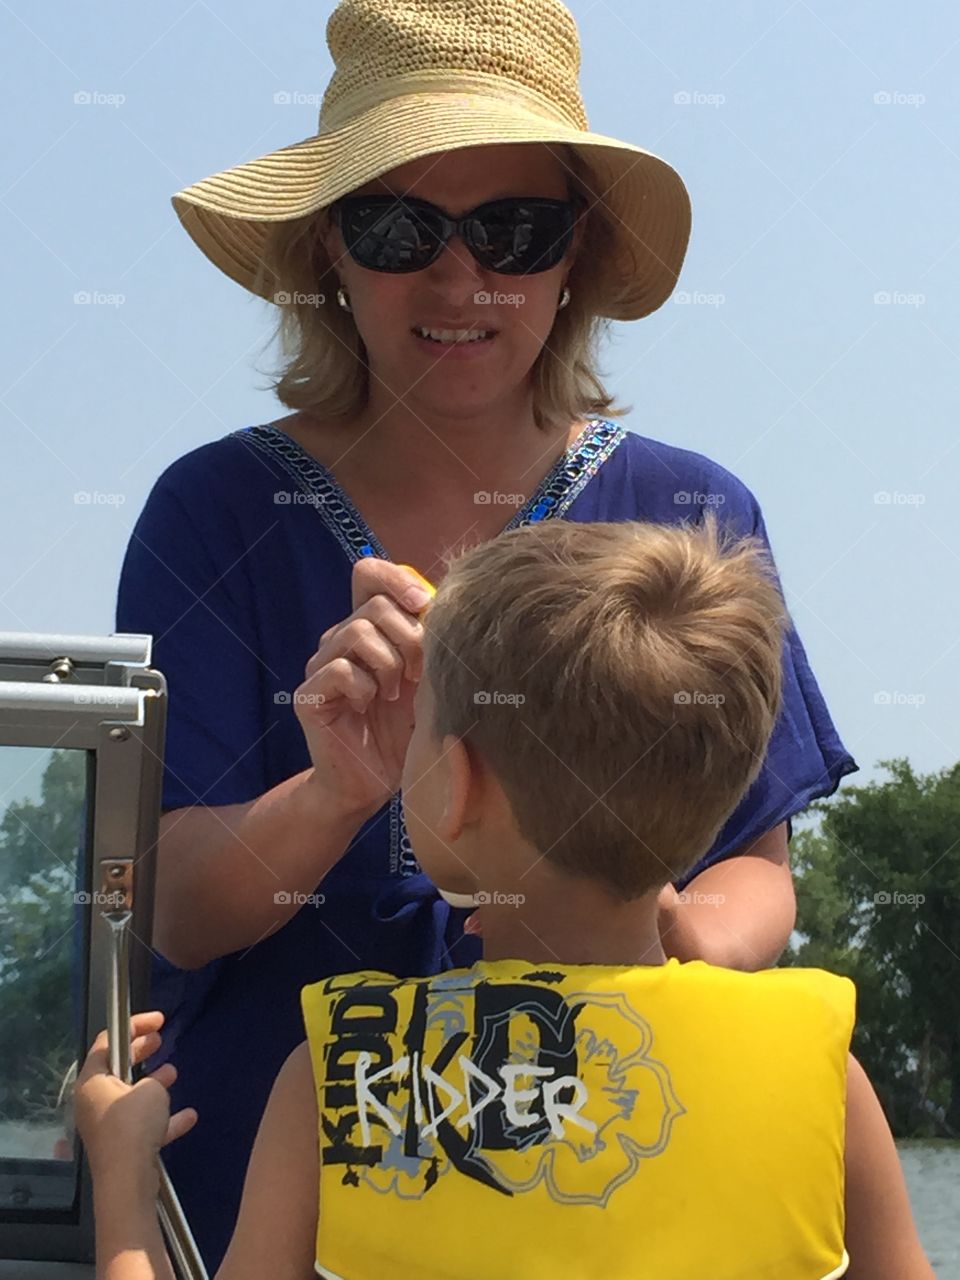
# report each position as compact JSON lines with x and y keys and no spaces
{"x":515,"y":1121}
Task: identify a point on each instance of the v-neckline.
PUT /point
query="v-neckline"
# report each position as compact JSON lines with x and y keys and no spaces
{"x":593,"y":445}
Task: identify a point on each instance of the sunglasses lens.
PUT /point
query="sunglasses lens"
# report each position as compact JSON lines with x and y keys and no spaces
{"x":521,"y":237}
{"x":385,"y":235}
{"x":511,"y":236}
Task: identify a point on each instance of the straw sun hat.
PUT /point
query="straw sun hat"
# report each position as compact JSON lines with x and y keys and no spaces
{"x":414,"y":77}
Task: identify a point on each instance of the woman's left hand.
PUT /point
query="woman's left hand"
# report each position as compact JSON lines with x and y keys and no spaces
{"x":678,"y":935}
{"x":667,"y":900}
{"x":124,"y":1126}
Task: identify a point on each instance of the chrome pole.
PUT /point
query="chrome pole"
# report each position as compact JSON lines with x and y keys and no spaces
{"x":117,"y":899}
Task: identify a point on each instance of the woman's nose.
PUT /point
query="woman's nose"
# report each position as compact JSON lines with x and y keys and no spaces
{"x":455,"y":273}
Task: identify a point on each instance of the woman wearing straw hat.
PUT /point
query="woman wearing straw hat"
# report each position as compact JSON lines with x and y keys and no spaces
{"x":443,"y":253}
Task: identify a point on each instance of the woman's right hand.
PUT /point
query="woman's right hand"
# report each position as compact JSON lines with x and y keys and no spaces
{"x":355,"y":705}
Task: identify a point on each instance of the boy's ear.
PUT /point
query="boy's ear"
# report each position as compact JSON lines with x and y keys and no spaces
{"x":457,"y":783}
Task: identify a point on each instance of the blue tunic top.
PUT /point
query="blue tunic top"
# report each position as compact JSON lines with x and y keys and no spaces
{"x":239,"y":562}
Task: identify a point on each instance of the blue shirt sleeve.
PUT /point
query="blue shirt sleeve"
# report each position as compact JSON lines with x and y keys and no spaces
{"x":805,"y":759}
{"x":184,"y":582}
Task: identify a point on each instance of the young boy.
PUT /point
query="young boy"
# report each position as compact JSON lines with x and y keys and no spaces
{"x":596,"y":699}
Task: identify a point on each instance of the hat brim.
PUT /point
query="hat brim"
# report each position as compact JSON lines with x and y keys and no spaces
{"x":228,"y":215}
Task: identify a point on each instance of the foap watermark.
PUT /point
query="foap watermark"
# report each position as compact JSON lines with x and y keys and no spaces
{"x":296,"y":98}
{"x":484,"y":299}
{"x":898,"y":298}
{"x":493,"y":897}
{"x":96,"y":98}
{"x":94,"y":498}
{"x":695,"y":98}
{"x":97,"y":898}
{"x":494,"y":498}
{"x":284,"y":698}
{"x":296,"y":498}
{"x":283,"y":298}
{"x":285,"y":898}
{"x":683,"y":298}
{"x":695,"y":897}
{"x":495,"y":698}
{"x":893,"y":698}
{"x":96,"y":298}
{"x":98,"y":698}
{"x":684,"y":498}
{"x":698,"y":698}
{"x":894,"y":498}
{"x":884,"y":898}
{"x":897,"y":98}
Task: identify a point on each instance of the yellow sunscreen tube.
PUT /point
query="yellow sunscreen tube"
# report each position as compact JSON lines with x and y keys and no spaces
{"x":428,"y":586}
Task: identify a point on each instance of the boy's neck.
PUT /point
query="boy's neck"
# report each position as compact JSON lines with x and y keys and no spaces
{"x":571,"y":922}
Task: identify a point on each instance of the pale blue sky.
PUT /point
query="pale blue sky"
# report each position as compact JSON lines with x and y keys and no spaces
{"x":809,"y":196}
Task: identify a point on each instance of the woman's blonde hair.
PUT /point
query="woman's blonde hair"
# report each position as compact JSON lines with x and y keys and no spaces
{"x":621,"y":681}
{"x":324,"y":367}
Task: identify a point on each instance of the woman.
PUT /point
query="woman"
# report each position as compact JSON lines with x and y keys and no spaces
{"x":262,"y":556}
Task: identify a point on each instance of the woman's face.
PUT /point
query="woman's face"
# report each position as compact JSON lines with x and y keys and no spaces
{"x":451,"y":292}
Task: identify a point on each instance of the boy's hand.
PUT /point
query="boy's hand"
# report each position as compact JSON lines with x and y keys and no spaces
{"x":124,"y":1126}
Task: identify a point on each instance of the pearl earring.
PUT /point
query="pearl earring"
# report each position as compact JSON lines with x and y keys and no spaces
{"x":342,"y":299}
{"x":564,"y":298}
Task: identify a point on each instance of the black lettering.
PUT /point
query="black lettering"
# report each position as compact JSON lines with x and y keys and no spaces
{"x":361,"y":1020}
{"x":341,"y":1150}
{"x":495,"y":1005}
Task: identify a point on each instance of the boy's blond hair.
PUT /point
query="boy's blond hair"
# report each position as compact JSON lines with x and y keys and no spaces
{"x":648,"y":660}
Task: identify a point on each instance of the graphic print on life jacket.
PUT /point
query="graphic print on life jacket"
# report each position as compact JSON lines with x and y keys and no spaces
{"x":512,"y":1084}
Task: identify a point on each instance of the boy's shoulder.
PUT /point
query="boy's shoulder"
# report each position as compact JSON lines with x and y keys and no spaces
{"x":294,"y":1094}
{"x":298,"y":1067}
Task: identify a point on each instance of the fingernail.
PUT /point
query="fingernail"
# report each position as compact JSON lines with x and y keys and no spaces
{"x":416,"y":598}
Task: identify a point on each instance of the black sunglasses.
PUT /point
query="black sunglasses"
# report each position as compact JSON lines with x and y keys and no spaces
{"x":514,"y":236}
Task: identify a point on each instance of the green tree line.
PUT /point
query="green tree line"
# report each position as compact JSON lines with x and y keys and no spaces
{"x":878,"y":899}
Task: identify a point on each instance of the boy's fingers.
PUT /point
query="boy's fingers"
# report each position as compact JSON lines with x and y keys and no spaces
{"x":144,"y":1046}
{"x":100,"y":1044}
{"x":97,"y":1060}
{"x":141,"y":1023}
{"x":166,"y":1074}
{"x":180,"y":1123}
{"x":144,"y":1038}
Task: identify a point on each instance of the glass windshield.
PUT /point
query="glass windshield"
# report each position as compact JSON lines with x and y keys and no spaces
{"x":42,"y":921}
